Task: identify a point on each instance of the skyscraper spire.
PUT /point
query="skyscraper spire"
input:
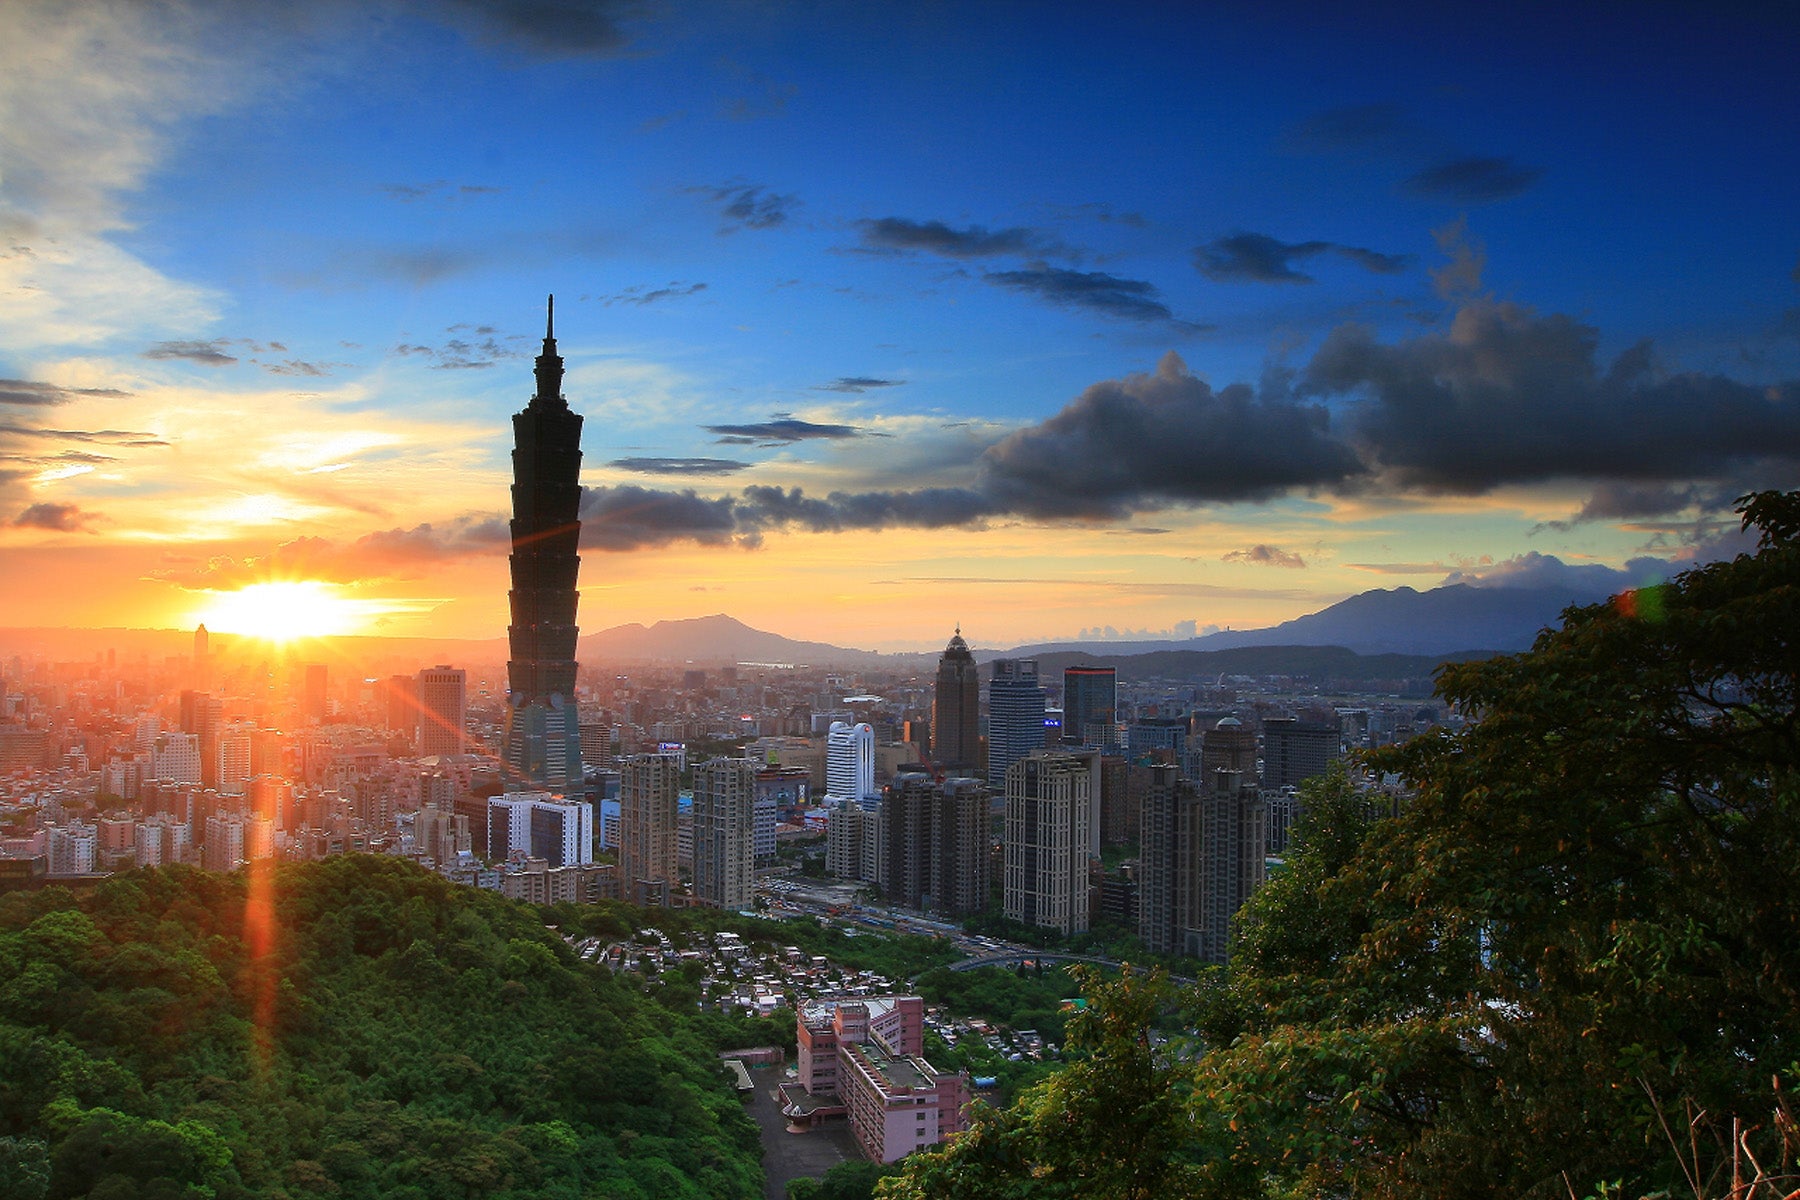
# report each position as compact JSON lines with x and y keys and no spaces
{"x":549,"y":365}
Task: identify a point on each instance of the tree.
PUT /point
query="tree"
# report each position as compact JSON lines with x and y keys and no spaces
{"x":1585,"y":922}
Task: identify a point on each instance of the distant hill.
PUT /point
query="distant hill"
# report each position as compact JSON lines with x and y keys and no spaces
{"x":1452,"y":620}
{"x":720,"y":639}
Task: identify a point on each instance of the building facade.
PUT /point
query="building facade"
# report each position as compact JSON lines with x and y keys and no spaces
{"x":443,"y":710}
{"x":849,"y":762}
{"x":725,"y":833}
{"x":541,"y":740}
{"x":1049,"y":840}
{"x":956,"y":710}
{"x":1015,"y":714}
{"x":649,"y":787}
{"x":1090,"y":707}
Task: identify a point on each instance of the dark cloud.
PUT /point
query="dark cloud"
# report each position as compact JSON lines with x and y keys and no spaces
{"x":1476,"y":180}
{"x":750,"y":206}
{"x":680,"y":466}
{"x":105,"y":437}
{"x":60,"y":518}
{"x":1264,"y":556}
{"x":632,"y":518}
{"x":639,"y":296}
{"x":1154,"y":440}
{"x":31,"y":393}
{"x":1259,"y":258}
{"x":1508,"y":396}
{"x":210,"y":354}
{"x":782,"y":429}
{"x":858,"y":384}
{"x":899,"y":235}
{"x":296,"y":366}
{"x":1129,"y":299}
{"x":548,"y":28}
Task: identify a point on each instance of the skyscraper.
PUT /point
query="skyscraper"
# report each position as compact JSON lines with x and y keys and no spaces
{"x":956,"y":709}
{"x":849,"y":762}
{"x":1090,"y":706}
{"x":1015,"y":714}
{"x":1049,"y":839}
{"x":542,"y":741}
{"x":1295,"y":751}
{"x":648,"y":788}
{"x":443,"y":701}
{"x":724,"y":833}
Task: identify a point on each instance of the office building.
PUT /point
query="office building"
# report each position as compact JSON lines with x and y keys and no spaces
{"x":1295,"y":751}
{"x":1090,"y":707}
{"x":956,"y":710}
{"x":649,"y":785}
{"x":541,"y":740}
{"x":725,"y":833}
{"x":863,"y":1060}
{"x":1015,"y":714}
{"x":1229,"y":745}
{"x":442,"y":710}
{"x":1049,"y":840}
{"x":540,"y":825}
{"x":849,"y":762}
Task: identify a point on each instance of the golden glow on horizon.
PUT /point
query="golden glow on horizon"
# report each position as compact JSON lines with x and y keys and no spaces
{"x":279,"y":612}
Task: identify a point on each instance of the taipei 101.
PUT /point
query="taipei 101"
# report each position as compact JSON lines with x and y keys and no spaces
{"x":1100,"y":604}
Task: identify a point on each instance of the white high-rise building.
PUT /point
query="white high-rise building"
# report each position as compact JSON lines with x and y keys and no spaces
{"x":1049,"y":840}
{"x":234,"y":759}
{"x":849,"y":762}
{"x":540,"y":825}
{"x":725,"y":833}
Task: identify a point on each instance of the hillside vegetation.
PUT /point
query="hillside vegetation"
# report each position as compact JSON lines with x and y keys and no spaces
{"x":354,"y":1027}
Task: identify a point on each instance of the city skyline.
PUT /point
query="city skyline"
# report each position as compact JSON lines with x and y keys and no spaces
{"x":885,"y":321}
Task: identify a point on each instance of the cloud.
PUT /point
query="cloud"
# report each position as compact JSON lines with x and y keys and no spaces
{"x":1264,"y":556}
{"x":1478,"y":180}
{"x":31,"y":393}
{"x":1589,"y":581}
{"x":782,"y":429}
{"x":547,"y":28}
{"x":437,"y":189}
{"x":1401,"y":568}
{"x":1129,"y":299}
{"x":60,"y":518}
{"x":762,"y":97}
{"x":679,"y":466}
{"x":750,"y":206}
{"x":631,"y":518}
{"x":1259,"y":258}
{"x":857,"y":384}
{"x":384,"y":554}
{"x":1461,"y":276}
{"x":1509,"y":396}
{"x":1354,"y":128}
{"x":208,"y":354}
{"x":897,"y":235}
{"x":637,"y":295}
{"x":1167,"y":438}
{"x":476,"y":353}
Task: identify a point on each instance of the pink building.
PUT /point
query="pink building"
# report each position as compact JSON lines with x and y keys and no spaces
{"x":863,"y":1060}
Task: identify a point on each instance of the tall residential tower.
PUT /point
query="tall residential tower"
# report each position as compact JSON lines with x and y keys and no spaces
{"x":542,"y":746}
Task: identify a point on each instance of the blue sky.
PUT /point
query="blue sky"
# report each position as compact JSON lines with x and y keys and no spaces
{"x":1042,"y":318}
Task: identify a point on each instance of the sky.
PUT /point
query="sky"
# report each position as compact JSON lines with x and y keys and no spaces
{"x":1044,"y":320}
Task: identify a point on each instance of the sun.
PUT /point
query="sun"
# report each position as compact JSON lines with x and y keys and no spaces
{"x":280,"y":612}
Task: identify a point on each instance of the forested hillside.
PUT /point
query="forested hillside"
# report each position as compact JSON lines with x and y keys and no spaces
{"x":355,"y":1027}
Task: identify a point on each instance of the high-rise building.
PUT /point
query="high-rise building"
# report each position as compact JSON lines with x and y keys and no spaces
{"x":648,"y":788}
{"x":934,"y":843}
{"x":956,"y":710}
{"x":1168,"y":831}
{"x":232,"y":771}
{"x":176,"y":756}
{"x":725,"y":833}
{"x":849,"y":762}
{"x":201,"y":715}
{"x":1161,"y":738}
{"x":202,"y":658}
{"x":1090,"y":706}
{"x":540,"y":825}
{"x":1295,"y":751}
{"x":443,"y":707}
{"x":1015,"y":714}
{"x":1228,"y":746}
{"x":541,"y":742}
{"x":1231,"y":860}
{"x":1049,"y":840}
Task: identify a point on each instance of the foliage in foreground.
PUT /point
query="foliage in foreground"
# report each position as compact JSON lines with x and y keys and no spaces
{"x":385,"y":1034}
{"x":1571,"y":964}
